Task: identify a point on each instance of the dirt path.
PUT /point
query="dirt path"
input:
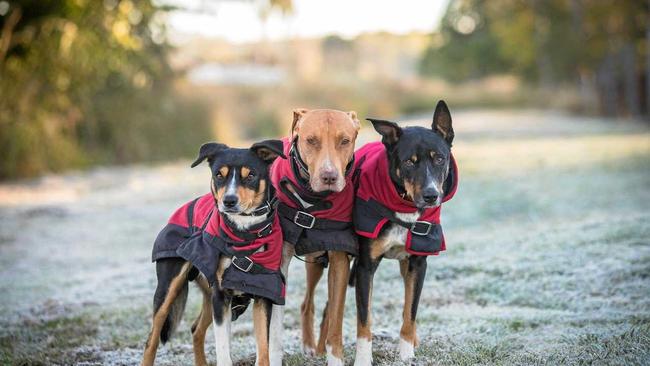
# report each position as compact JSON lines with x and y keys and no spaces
{"x":548,"y":258}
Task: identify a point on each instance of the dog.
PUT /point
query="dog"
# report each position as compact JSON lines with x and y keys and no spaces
{"x":229,"y":242}
{"x":316,"y":198}
{"x":401,"y":183}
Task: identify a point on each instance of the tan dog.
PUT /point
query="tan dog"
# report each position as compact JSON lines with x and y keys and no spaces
{"x":320,"y":156}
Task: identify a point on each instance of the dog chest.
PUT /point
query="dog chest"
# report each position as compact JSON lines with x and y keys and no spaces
{"x":394,"y":238}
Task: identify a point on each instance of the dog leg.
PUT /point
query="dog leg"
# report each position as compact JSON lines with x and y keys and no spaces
{"x":160,"y":316}
{"x":337,"y":280}
{"x":364,"y":274}
{"x":413,"y":272}
{"x":222,"y":318}
{"x":277,"y":314}
{"x":202,"y":323}
{"x":314,"y":274}
{"x":322,"y":338}
{"x":262,"y":311}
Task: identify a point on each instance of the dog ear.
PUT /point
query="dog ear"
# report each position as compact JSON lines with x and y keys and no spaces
{"x":389,"y":131}
{"x":297,"y":115}
{"x":442,"y":122}
{"x":208,"y":151}
{"x":268,"y":150}
{"x":355,"y":120}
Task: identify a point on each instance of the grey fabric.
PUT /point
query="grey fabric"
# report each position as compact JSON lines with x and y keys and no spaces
{"x":308,"y":241}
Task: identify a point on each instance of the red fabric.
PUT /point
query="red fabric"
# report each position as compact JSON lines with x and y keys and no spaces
{"x":202,"y":209}
{"x":375,"y":183}
{"x":270,"y":258}
{"x":342,"y":202}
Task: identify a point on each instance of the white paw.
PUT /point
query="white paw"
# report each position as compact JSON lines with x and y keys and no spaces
{"x":226,"y":361}
{"x":331,"y":359}
{"x":308,"y":351}
{"x":406,"y":351}
{"x":275,"y":358}
{"x":363,"y":356}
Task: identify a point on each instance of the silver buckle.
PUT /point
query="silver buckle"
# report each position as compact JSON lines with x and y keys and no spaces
{"x":262,"y":233}
{"x":421,"y":233}
{"x":300,"y":214}
{"x":250,"y":264}
{"x":262,"y":210}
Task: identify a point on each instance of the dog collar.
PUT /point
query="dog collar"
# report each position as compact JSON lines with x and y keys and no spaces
{"x":254,"y":232}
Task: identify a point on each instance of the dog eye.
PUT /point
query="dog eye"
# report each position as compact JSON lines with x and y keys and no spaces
{"x":439,"y":160}
{"x":345,"y":142}
{"x":409,"y":163}
{"x":218,"y":175}
{"x":312,"y":141}
{"x":250,"y":177}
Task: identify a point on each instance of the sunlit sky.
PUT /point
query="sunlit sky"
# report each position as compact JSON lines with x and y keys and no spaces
{"x":239,"y":21}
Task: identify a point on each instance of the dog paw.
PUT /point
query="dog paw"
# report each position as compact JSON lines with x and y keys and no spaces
{"x":406,"y":350}
{"x":363,"y":356}
{"x":308,"y":351}
{"x":331,"y":359}
{"x":225,"y":362}
{"x":275,"y":358}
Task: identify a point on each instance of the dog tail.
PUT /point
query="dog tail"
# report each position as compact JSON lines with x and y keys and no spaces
{"x":353,"y":274}
{"x":167,"y":270}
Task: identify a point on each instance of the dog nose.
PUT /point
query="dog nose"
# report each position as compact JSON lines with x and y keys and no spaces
{"x":328,"y":177}
{"x":230,"y":201}
{"x":430,"y":195}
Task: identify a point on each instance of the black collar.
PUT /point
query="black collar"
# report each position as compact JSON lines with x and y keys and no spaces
{"x":256,"y":231}
{"x":265,"y":209}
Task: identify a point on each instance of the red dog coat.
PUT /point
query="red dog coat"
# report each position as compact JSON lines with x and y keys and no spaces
{"x":377,"y":198}
{"x":198,"y":233}
{"x":326,"y":223}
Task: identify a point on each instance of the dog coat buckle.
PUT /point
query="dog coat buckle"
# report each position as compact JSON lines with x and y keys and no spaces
{"x":248,"y":267}
{"x":266,"y":230}
{"x":422,"y":228}
{"x":301,"y":215}
{"x":261,"y":210}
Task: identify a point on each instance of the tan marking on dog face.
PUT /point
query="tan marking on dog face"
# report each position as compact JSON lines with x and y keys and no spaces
{"x":326,"y":143}
{"x":411,"y":189}
{"x":245,"y":171}
{"x":414,"y":158}
{"x":251,"y":199}
{"x":224,"y":171}
{"x":217,"y":193}
{"x":432,"y":153}
{"x":398,"y":172}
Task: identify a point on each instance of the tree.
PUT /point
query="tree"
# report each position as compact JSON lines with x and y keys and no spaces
{"x":85,"y":82}
{"x":595,"y":44}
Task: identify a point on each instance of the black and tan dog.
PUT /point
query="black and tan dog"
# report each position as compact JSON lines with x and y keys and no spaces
{"x":401,"y":183}
{"x":230,"y":243}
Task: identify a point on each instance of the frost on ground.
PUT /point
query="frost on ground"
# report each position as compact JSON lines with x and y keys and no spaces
{"x":548,"y":257}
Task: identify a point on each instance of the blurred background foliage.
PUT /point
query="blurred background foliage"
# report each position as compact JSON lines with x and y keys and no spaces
{"x":597,"y":47}
{"x":97,"y":82}
{"x":86,"y":82}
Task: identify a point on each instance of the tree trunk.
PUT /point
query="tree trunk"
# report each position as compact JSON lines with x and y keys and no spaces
{"x":630,"y":82}
{"x":647,"y":66}
{"x":607,"y":86}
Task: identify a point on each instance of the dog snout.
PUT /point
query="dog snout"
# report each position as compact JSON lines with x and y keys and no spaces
{"x":430,"y":195}
{"x":230,"y":201}
{"x":329,"y":177}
